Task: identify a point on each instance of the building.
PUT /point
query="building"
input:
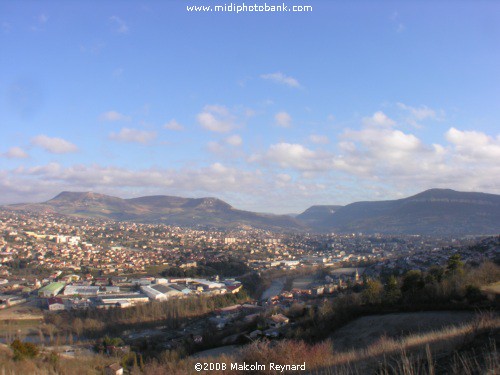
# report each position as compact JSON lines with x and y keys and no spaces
{"x":124,"y":300}
{"x":277,"y":320}
{"x":160,"y":292}
{"x":181,"y":288}
{"x":81,"y":290}
{"x":56,"y":304}
{"x":114,"y":369}
{"x":51,"y":290}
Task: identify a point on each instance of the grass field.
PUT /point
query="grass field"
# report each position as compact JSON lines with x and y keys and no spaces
{"x":367,"y":330}
{"x":303,"y":282}
{"x":24,"y":311}
{"x":492,"y":288}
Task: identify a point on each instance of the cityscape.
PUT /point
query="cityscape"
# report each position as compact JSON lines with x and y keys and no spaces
{"x":53,"y":264}
{"x":297,"y":187}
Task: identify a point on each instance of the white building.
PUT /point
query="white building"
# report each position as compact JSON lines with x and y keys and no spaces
{"x":160,"y":292}
{"x":81,"y":290}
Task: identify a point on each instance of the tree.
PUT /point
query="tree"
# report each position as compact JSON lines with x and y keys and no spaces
{"x":78,"y":326}
{"x":435,"y":274}
{"x":455,"y":264}
{"x":392,"y":293}
{"x":473,"y":294}
{"x":413,"y":283}
{"x":373,"y":292}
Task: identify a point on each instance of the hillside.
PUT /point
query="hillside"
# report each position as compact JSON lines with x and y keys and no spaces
{"x":316,"y":215}
{"x":191,"y":212}
{"x":432,"y":212}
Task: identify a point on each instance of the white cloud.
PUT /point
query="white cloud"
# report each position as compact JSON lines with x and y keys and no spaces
{"x":133,"y":135}
{"x":41,"y":21}
{"x":43,"y":18}
{"x":468,"y":162}
{"x":45,"y":181}
{"x":15,"y":153}
{"x":378,"y":119}
{"x":400,"y":27}
{"x":385,"y":157}
{"x":173,"y":125}
{"x":474,"y":144}
{"x":54,"y":145}
{"x":385,"y":140}
{"x":215,"y":148}
{"x":216,"y":118}
{"x":294,"y":156}
{"x":283,"y":177}
{"x":421,"y":113}
{"x":283,"y":119}
{"x":227,"y":148}
{"x":121,"y":26}
{"x":234,"y":140}
{"x":281,"y":79}
{"x":319,"y":139}
{"x":113,"y":116}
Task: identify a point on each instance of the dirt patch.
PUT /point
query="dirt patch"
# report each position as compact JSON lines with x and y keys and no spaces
{"x":21,"y":312}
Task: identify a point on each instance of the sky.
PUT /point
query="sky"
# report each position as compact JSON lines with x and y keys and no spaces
{"x":269,"y":111}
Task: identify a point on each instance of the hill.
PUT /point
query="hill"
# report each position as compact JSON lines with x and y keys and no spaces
{"x":432,"y":212}
{"x":170,"y":210}
{"x":316,"y":215}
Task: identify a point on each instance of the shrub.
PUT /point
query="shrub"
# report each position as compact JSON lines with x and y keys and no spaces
{"x":24,"y":349}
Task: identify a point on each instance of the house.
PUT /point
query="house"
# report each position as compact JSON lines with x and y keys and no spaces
{"x":219,"y":322}
{"x":277,"y":320}
{"x":198,"y":339}
{"x":55,"y":304}
{"x":271,"y":333}
{"x":114,"y":369}
{"x":317,"y":290}
{"x":255,"y":334}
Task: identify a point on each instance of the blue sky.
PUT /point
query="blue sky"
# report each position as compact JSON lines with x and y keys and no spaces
{"x":271,"y":112}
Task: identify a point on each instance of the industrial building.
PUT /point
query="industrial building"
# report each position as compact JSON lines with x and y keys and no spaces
{"x":51,"y":290}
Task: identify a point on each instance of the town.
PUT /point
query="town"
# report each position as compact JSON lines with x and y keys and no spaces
{"x":260,"y":283}
{"x":88,"y":262}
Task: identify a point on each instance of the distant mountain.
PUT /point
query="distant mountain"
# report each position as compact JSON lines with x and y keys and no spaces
{"x":315,"y":216}
{"x":433,"y":212}
{"x":190,"y":212}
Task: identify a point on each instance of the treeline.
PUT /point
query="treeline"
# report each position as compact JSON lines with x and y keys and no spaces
{"x":172,"y":314}
{"x":224,"y":269}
